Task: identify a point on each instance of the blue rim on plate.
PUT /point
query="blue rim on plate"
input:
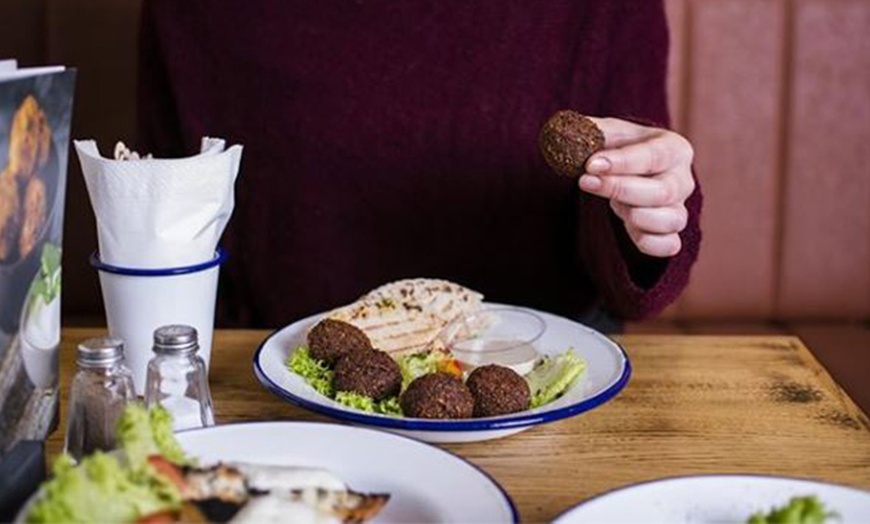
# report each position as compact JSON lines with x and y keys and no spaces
{"x":219,"y":257}
{"x":515,"y":514}
{"x":416,"y":424}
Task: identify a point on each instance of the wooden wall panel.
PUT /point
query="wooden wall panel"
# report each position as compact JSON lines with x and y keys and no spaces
{"x":826,"y":244}
{"x":677,"y":25}
{"x":677,"y":74}
{"x":734,"y":123}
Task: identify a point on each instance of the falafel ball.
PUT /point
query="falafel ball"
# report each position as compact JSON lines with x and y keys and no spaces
{"x":10,"y":216}
{"x":567,"y":140}
{"x":497,"y":390}
{"x":437,"y":395}
{"x":370,"y":372}
{"x":29,"y":139}
{"x":35,"y":209}
{"x":331,"y":339}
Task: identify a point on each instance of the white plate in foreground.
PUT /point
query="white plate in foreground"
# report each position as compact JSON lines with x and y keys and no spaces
{"x":714,"y":499}
{"x":425,"y":483}
{"x":607,"y":373}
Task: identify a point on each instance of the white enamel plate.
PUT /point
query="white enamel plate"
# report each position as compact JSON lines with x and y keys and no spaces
{"x":608,"y":370}
{"x":425,"y":483}
{"x":715,"y":499}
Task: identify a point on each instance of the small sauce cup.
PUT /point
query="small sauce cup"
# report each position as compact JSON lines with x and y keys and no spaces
{"x":494,"y":335}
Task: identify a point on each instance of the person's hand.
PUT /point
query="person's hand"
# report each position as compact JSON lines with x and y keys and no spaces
{"x":646,"y":174}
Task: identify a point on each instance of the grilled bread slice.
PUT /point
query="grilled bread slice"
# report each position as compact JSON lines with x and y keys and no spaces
{"x":406,"y":316}
{"x":238,"y":492}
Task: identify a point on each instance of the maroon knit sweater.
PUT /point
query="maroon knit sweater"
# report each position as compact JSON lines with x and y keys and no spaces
{"x":387,"y":139}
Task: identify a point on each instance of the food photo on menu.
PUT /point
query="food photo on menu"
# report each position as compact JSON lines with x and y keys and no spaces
{"x":410,"y":262}
{"x":35,"y":115}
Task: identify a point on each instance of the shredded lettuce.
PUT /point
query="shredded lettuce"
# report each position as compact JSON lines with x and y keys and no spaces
{"x":423,"y":363}
{"x":318,"y":375}
{"x":161,"y":430}
{"x":102,"y":488}
{"x":315,"y":372}
{"x":799,"y":510}
{"x":99,"y":489}
{"x":142,"y":432}
{"x":552,"y":376}
{"x":388,"y":406}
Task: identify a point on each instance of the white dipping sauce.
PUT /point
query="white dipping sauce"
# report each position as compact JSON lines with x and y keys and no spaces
{"x":286,"y":478}
{"x":40,"y":341}
{"x":512,"y":354}
{"x":42,"y":327}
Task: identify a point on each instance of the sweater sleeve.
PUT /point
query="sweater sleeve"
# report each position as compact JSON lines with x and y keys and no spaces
{"x":632,"y":285}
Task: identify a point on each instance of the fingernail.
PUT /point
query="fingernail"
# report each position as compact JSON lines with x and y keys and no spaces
{"x":590,"y":183}
{"x":598,"y":164}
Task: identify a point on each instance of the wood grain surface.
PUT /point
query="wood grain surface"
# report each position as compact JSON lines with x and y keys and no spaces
{"x":694,"y":405}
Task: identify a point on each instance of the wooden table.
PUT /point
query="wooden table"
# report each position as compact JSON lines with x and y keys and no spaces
{"x":694,"y":405}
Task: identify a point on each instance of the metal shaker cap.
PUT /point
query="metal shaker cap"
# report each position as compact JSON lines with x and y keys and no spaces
{"x":175,"y":339}
{"x":100,"y":351}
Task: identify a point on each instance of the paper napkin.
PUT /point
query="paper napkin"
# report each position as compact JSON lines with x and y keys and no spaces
{"x":160,"y":213}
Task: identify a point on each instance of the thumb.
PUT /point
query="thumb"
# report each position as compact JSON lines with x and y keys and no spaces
{"x":618,"y":132}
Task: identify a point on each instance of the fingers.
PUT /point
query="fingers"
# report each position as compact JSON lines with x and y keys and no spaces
{"x":646,"y":174}
{"x":654,"y":153}
{"x":655,"y":245}
{"x":667,"y":189}
{"x":655,"y":231}
{"x":658,"y":220}
{"x":618,"y":132}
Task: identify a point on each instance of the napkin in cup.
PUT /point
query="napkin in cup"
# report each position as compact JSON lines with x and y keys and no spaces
{"x":159,"y":213}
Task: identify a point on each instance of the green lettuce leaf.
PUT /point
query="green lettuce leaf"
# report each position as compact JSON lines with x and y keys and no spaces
{"x":388,"y":406}
{"x":318,"y":375}
{"x":100,"y":489}
{"x":799,"y":510}
{"x":117,"y":487}
{"x":142,"y":432}
{"x":422,"y":363}
{"x":552,"y":376}
{"x":315,"y":372}
{"x":161,"y":430}
{"x":47,"y":284}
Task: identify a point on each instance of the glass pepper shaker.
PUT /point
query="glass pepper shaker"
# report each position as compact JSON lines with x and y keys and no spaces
{"x":100,"y":389}
{"x":177,"y":378}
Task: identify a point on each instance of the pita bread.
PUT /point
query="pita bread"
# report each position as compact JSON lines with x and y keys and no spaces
{"x":406,"y":316}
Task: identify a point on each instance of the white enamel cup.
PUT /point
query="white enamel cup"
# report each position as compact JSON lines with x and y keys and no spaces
{"x":138,"y":301}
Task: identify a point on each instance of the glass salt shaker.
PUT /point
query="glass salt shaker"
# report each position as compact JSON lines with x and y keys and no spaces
{"x":100,"y":389}
{"x":177,"y":378}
